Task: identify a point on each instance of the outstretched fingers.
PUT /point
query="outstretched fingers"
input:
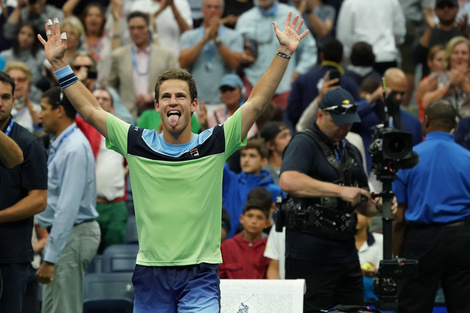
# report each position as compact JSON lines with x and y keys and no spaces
{"x":288,"y":18}
{"x":296,"y":19}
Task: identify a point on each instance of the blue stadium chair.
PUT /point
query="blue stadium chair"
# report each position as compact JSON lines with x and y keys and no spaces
{"x":108,"y":292}
{"x":119,"y":258}
{"x":95,"y":265}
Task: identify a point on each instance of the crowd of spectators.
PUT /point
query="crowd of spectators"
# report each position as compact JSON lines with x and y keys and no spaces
{"x":118,"y":49}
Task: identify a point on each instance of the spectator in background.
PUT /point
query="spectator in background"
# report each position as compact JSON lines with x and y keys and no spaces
{"x":110,"y":185}
{"x":413,"y":10}
{"x":236,"y":187}
{"x":34,"y":12}
{"x":435,"y":34}
{"x":255,"y":24}
{"x":23,"y":193}
{"x":233,"y":9}
{"x":26,"y":49}
{"x":431,"y":82}
{"x":454,"y":86}
{"x":242,"y":255}
{"x":135,"y":67}
{"x":210,"y":51}
{"x":373,"y":113}
{"x":70,"y":215}
{"x":370,"y":248}
{"x":75,"y":31}
{"x":25,"y":111}
{"x":380,"y":24}
{"x":435,"y":216}
{"x":362,"y":63}
{"x":232,"y":97}
{"x":98,"y":41}
{"x":307,"y":86}
{"x":319,"y":18}
{"x":276,"y":136}
{"x":170,"y":17}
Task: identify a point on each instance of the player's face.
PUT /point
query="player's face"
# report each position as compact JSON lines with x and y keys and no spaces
{"x":175,"y":106}
{"x":251,"y":161}
{"x":6,"y":101}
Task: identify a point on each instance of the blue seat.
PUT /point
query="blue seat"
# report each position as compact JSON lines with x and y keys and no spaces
{"x":108,"y":292}
{"x":119,"y":258}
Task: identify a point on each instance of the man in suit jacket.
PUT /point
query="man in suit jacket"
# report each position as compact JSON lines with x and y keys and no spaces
{"x":135,"y":67}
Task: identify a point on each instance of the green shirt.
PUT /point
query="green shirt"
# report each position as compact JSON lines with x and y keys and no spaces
{"x":177,"y":190}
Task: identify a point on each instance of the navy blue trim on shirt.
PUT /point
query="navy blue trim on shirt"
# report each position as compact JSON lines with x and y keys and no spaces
{"x":213,"y":144}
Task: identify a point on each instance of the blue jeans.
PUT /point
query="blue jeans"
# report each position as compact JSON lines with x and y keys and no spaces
{"x":14,"y":280}
{"x":182,"y":289}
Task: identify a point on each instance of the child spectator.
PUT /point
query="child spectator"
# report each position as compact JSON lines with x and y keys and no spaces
{"x":370,"y":248}
{"x":242,"y":255}
{"x":237,"y":186}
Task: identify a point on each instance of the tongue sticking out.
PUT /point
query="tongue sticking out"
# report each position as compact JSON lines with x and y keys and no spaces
{"x":173,"y":120}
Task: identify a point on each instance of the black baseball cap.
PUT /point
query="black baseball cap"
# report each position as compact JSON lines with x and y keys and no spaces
{"x":341,"y":106}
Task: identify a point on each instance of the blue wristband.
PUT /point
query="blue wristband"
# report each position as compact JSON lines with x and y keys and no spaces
{"x":283,"y":55}
{"x":66,"y":77}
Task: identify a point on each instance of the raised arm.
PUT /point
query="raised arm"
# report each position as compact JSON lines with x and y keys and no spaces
{"x":263,"y":91}
{"x":10,"y":153}
{"x":80,"y":97}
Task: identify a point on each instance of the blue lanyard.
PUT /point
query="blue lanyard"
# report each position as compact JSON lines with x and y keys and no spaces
{"x":341,"y":151}
{"x":52,"y":155}
{"x":134,"y":63}
{"x":10,"y":126}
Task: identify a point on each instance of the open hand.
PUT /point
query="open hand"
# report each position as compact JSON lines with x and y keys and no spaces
{"x":55,"y":46}
{"x":289,"y":38}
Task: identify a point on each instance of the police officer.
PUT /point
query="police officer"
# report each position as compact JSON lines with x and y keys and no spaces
{"x":324,"y":173}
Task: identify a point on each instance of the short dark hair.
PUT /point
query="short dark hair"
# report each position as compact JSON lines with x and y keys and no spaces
{"x":256,"y":205}
{"x":56,"y":96}
{"x":333,"y":50}
{"x":261,"y":195}
{"x":443,"y":113}
{"x":258,"y":144}
{"x":179,"y":75}
{"x":362,"y":54}
{"x":6,"y":79}
{"x":139,"y":14}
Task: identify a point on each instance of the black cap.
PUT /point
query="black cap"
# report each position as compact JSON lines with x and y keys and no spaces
{"x":452,"y":2}
{"x":341,"y":106}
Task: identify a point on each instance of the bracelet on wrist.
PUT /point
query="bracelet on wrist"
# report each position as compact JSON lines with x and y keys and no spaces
{"x":66,"y":77}
{"x":283,"y":55}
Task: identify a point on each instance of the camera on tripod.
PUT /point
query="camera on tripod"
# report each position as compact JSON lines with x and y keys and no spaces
{"x":391,"y":149}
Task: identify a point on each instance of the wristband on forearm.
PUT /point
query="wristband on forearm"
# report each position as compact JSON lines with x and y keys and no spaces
{"x":66,"y":77}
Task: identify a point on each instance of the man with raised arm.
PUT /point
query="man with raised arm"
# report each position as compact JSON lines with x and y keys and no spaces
{"x":176,"y":176}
